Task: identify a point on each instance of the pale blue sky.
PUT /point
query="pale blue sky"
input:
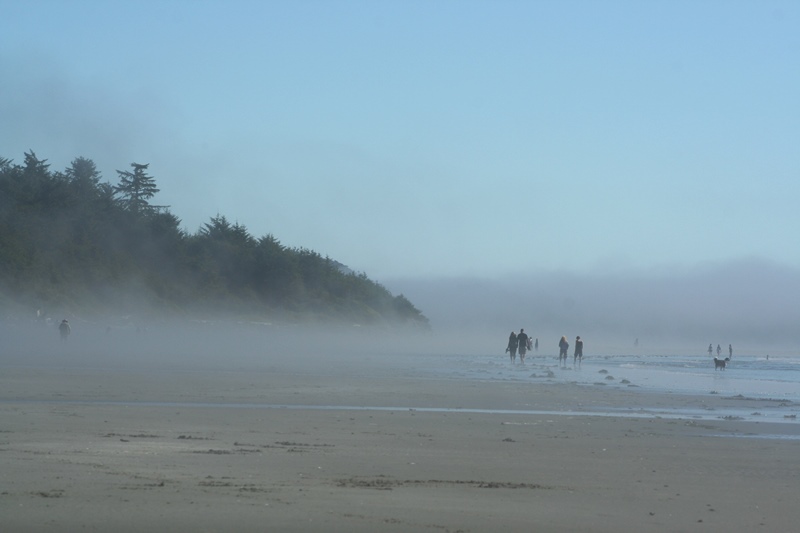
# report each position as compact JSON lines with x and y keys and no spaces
{"x":432,"y":138}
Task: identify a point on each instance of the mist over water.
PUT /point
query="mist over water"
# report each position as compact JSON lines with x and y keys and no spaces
{"x":151,"y":343}
{"x":138,"y":358}
{"x":751,"y":304}
{"x":152,"y":363}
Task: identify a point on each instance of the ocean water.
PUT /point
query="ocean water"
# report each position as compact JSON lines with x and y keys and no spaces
{"x":774,"y":380}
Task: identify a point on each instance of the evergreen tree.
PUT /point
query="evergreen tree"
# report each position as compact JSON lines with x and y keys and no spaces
{"x":83,"y":176}
{"x":136,"y":188}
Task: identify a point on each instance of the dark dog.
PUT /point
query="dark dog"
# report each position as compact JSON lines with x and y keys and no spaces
{"x":719,"y":364}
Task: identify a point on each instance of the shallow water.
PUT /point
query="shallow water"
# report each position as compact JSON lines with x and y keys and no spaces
{"x":751,"y":377}
{"x":775,"y":380}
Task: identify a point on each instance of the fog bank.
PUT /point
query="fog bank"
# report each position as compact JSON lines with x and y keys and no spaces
{"x":749,"y":302}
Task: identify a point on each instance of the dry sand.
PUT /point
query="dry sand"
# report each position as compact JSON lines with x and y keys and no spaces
{"x":93,"y":447}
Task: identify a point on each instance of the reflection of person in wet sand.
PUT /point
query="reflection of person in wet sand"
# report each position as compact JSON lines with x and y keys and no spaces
{"x":563,"y":347}
{"x":511,"y":349}
{"x":578,"y":355}
{"x":64,"y":329}
{"x":522,"y":342}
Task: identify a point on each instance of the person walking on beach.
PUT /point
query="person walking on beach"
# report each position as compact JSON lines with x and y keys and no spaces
{"x":578,"y":355}
{"x":64,"y":329}
{"x":511,"y":349}
{"x":536,"y":344}
{"x":522,"y":342}
{"x":710,"y":350}
{"x":719,"y":349}
{"x":563,"y":347}
{"x":730,"y":351}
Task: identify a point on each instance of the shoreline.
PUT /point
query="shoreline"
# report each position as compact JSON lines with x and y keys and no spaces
{"x":738,"y":413}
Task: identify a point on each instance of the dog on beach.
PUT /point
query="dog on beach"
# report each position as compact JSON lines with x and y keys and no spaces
{"x":719,"y":364}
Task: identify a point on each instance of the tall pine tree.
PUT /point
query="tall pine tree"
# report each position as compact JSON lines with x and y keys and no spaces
{"x":136,"y":188}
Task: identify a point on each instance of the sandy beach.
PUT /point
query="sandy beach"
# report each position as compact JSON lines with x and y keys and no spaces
{"x":359,"y":444}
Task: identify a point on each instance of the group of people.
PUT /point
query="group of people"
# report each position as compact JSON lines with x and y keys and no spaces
{"x":520,"y":343}
{"x":719,"y":350}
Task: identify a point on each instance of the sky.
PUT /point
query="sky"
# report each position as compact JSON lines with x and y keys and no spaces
{"x":432,"y":139}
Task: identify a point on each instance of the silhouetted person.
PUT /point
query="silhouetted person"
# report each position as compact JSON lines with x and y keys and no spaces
{"x":522,"y":343}
{"x":536,"y":344}
{"x":512,"y":346}
{"x":64,"y":329}
{"x":730,"y":351}
{"x":578,"y":355}
{"x":710,"y":350}
{"x":563,"y":347}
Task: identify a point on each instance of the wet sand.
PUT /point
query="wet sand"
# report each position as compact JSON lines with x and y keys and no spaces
{"x":365,"y":446}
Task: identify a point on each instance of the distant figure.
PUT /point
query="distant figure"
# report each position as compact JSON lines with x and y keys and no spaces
{"x":511,"y":349}
{"x":64,"y":329}
{"x":710,"y":350}
{"x":719,"y":349}
{"x":563,"y":347}
{"x":578,"y":355}
{"x":730,"y":351}
{"x":636,"y":341}
{"x":536,"y":344}
{"x":522,"y":342}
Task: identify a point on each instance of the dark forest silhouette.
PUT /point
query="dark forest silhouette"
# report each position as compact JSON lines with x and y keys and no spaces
{"x":70,"y":241}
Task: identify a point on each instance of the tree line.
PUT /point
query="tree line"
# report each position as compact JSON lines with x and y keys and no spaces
{"x":69,"y":240}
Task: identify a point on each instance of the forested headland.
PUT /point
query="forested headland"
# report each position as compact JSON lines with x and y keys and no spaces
{"x":74,"y":243}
